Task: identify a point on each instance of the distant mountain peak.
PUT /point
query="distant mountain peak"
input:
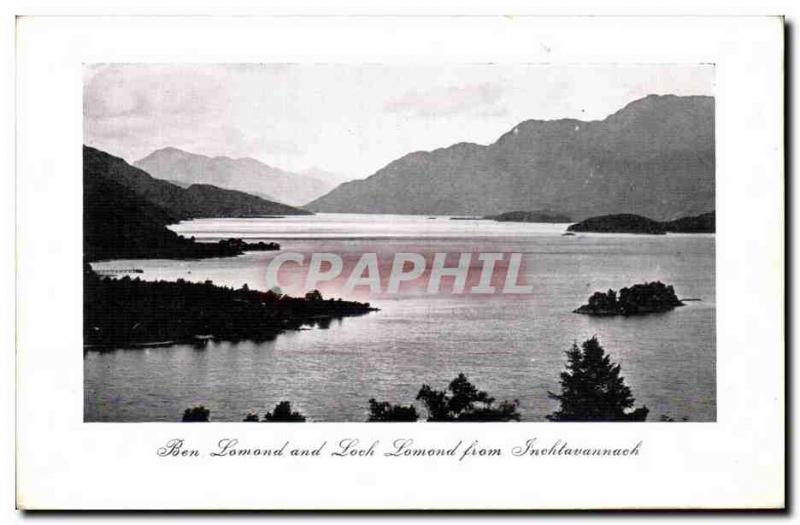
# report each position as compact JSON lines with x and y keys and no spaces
{"x":172,"y":150}
{"x":654,"y":156}
{"x":242,"y":174}
{"x":667,"y":102}
{"x":194,"y":201}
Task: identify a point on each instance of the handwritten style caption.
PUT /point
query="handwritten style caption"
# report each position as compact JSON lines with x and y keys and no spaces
{"x":459,"y":450}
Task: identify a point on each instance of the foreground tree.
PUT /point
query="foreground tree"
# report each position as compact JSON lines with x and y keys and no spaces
{"x":198,"y":414}
{"x":282,"y":413}
{"x":464,"y":402}
{"x":592,"y":388}
{"x":385,"y":412}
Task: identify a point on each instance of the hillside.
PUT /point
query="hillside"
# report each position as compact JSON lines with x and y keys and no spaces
{"x":119,"y":223}
{"x":654,"y":156}
{"x":245,"y":174}
{"x":195,"y":201}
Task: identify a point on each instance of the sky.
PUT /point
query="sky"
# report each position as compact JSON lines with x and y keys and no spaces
{"x":350,"y":119}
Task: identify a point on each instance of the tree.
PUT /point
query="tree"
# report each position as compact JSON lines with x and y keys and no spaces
{"x":314,"y":295}
{"x":198,"y":414}
{"x":384,"y":412}
{"x":282,"y":413}
{"x":465,"y":403}
{"x":592,"y":388}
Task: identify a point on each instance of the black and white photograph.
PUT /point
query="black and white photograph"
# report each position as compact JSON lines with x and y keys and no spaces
{"x":564,"y":233}
{"x":353,"y":243}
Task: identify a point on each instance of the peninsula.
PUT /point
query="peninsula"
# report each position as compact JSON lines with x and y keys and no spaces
{"x":131,"y":312}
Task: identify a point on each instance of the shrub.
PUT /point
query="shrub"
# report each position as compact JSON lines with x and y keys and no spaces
{"x":384,"y":412}
{"x":198,"y":414}
{"x":464,"y":402}
{"x":282,"y":413}
{"x":592,"y":388}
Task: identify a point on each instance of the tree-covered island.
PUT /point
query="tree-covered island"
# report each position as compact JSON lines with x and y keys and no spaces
{"x":637,"y":300}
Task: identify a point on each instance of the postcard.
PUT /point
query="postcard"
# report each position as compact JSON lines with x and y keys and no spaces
{"x":565,"y":234}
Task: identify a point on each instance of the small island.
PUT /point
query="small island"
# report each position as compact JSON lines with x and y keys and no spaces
{"x":530,"y":216}
{"x":630,"y":223}
{"x":620,"y":223}
{"x":639,"y":299}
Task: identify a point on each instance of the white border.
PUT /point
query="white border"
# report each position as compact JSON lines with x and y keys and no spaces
{"x":736,"y":462}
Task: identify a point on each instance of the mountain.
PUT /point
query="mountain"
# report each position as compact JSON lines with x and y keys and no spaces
{"x":248,"y":175}
{"x":115,"y":218}
{"x":654,"y":156}
{"x":256,"y":193}
{"x":122,"y":221}
{"x":195,"y":201}
{"x":332,"y":177}
{"x":118,"y":224}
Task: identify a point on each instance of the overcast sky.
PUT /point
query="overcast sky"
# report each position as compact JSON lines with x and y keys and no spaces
{"x":350,"y":119}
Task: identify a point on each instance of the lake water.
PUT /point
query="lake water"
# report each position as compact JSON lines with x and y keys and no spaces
{"x":510,"y":345}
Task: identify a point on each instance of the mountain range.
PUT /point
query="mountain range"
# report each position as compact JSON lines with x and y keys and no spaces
{"x":244,"y":174}
{"x":192,"y":202}
{"x":126,"y":212}
{"x":655,"y":157}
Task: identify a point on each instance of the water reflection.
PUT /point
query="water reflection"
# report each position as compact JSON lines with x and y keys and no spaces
{"x":511,"y":346}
